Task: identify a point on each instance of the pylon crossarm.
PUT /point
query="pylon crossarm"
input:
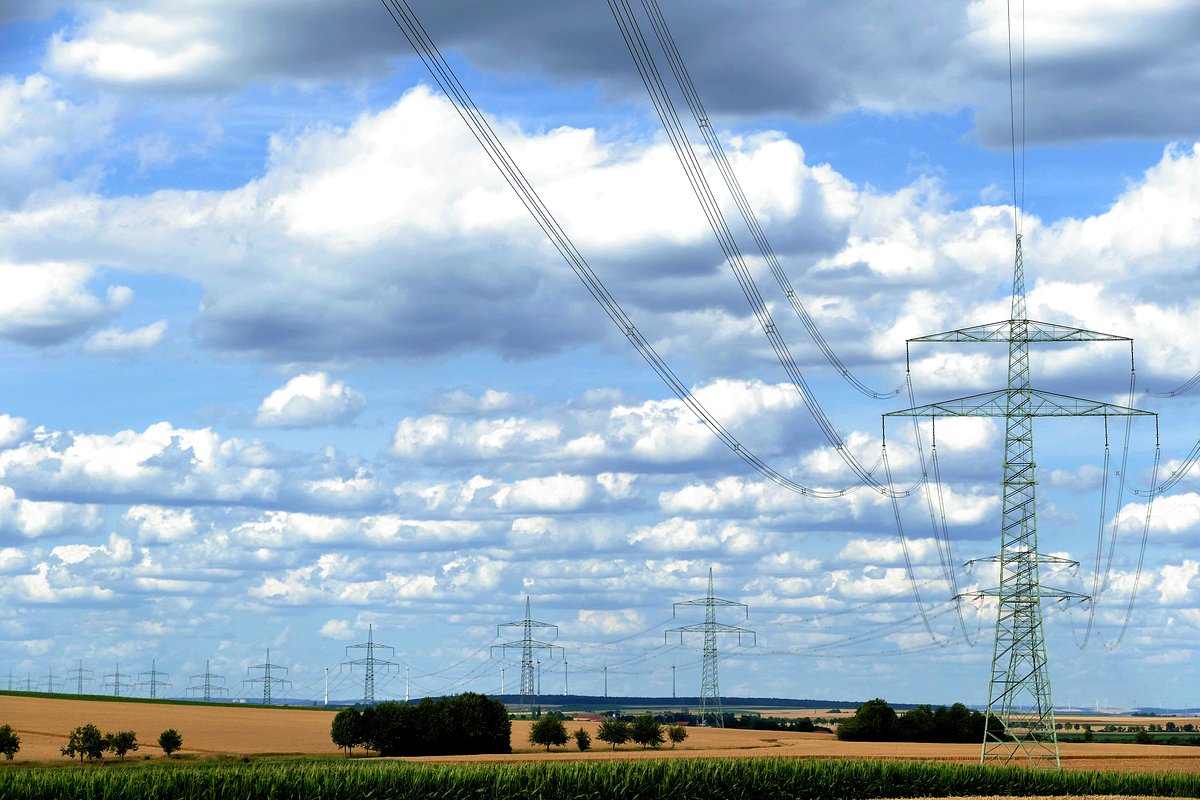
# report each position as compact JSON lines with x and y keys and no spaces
{"x":706,"y":601}
{"x":1027,"y":331}
{"x":1041,"y":404}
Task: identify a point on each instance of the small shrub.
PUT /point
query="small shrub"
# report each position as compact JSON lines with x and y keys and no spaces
{"x":583,"y":739}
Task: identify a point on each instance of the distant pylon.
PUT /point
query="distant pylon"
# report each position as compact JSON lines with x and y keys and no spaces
{"x":117,"y":680}
{"x":267,"y":678}
{"x":527,"y":644}
{"x":154,"y":681}
{"x":369,"y":663}
{"x":80,"y":676}
{"x":50,"y":682}
{"x":207,"y":685}
{"x":1020,"y":712}
{"x":710,"y":690}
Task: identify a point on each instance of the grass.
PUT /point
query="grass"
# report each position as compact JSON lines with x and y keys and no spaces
{"x":698,"y":779}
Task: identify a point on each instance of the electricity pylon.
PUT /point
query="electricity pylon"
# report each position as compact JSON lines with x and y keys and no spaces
{"x":80,"y":676}
{"x":154,"y":681}
{"x":527,"y":644}
{"x":266,"y":678}
{"x":710,"y":690}
{"x":205,"y":689}
{"x":1020,"y":712}
{"x":369,"y":663}
{"x":114,"y":681}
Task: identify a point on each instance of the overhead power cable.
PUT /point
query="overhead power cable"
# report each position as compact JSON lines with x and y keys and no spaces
{"x":717,"y":152}
{"x":664,"y":106}
{"x":412,"y":29}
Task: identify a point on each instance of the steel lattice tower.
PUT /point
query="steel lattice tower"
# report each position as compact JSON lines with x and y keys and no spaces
{"x":527,"y":644}
{"x":154,"y":681}
{"x":369,"y":663}
{"x":81,"y":676}
{"x":115,"y":681}
{"x":266,"y":679}
{"x":206,"y":688}
{"x":1020,"y":712}
{"x":710,"y":690}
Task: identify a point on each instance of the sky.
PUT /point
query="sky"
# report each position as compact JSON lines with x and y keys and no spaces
{"x":285,"y":358}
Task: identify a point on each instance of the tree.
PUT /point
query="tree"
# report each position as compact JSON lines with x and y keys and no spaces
{"x":121,"y":742}
{"x":10,"y":743}
{"x":346,"y":731}
{"x":676,"y":733}
{"x":85,"y":741}
{"x":170,"y":741}
{"x":465,"y":724}
{"x":583,"y":739}
{"x":646,"y":731}
{"x":1143,"y":737}
{"x":614,"y":731}
{"x":548,"y":730}
{"x":874,"y":721}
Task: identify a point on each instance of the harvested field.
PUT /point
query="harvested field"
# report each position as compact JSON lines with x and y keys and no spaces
{"x":44,"y":725}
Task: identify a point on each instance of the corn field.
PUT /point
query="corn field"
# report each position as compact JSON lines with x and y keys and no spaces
{"x":677,"y":779}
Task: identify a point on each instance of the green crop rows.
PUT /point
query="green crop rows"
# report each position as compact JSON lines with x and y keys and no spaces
{"x":676,"y":779}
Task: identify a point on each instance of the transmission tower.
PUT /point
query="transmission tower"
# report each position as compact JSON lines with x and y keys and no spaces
{"x":50,"y":682}
{"x":154,"y":681}
{"x":1020,"y":712}
{"x":207,"y":685}
{"x":710,"y":690}
{"x":266,"y":678}
{"x":80,"y":676}
{"x":527,"y":644}
{"x":116,"y":681}
{"x":369,"y":663}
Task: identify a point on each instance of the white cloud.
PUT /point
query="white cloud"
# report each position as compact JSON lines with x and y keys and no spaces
{"x":337,"y":629}
{"x":310,"y":400}
{"x":48,"y":303}
{"x":115,"y":341}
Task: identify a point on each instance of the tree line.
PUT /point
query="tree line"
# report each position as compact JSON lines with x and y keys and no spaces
{"x":876,"y":721}
{"x":464,"y":724}
{"x":645,"y":729}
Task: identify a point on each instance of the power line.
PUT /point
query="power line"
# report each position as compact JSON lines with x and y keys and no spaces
{"x":209,"y":682}
{"x":527,"y":645}
{"x":153,"y":683}
{"x":268,"y":678}
{"x":369,"y":663}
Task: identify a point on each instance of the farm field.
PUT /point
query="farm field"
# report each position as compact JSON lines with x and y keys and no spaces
{"x":43,"y":725}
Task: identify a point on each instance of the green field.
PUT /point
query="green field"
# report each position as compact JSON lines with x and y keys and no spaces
{"x":608,"y":780}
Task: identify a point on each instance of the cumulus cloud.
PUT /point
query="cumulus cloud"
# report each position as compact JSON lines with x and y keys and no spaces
{"x":49,"y":303}
{"x":310,"y":400}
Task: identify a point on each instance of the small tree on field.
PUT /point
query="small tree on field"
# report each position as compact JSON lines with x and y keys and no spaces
{"x":676,"y":733}
{"x":346,"y":730}
{"x":85,"y":741}
{"x":646,"y":731}
{"x":614,"y":731}
{"x":583,"y":739}
{"x":121,"y":742}
{"x":10,"y":743}
{"x":170,"y":741}
{"x":1143,"y":737}
{"x":549,"y":730}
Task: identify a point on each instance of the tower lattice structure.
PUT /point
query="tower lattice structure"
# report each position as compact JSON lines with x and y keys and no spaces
{"x":710,"y":689}
{"x":117,"y":681}
{"x":369,"y":662}
{"x":268,"y":677}
{"x":80,"y":676}
{"x":1020,"y":711}
{"x":206,"y":684}
{"x":527,"y":644}
{"x":154,"y":681}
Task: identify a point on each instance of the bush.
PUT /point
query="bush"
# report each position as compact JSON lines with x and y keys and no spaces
{"x":10,"y":743}
{"x":170,"y":741}
{"x":548,"y":730}
{"x":583,"y":739}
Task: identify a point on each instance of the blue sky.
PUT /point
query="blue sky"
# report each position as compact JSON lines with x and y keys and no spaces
{"x":285,"y":358}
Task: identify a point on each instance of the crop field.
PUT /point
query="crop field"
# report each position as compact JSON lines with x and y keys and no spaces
{"x":43,"y":725}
